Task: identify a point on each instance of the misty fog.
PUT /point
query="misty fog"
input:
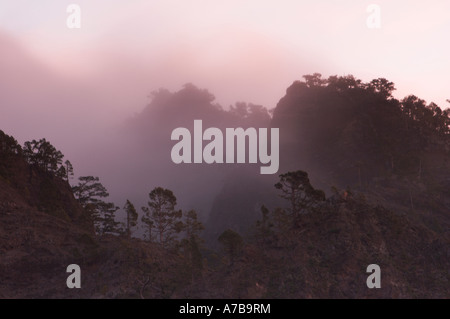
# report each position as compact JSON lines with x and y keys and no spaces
{"x":129,"y":151}
{"x":109,"y":95}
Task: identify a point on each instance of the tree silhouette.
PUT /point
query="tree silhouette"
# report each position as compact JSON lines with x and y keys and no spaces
{"x":314,"y":80}
{"x":10,"y":151}
{"x":8,"y":146}
{"x":161,"y":216}
{"x":192,"y":242}
{"x":382,"y":87}
{"x":69,"y":170}
{"x":232,"y":243}
{"x":296,"y":188}
{"x":43,"y":155}
{"x":90,"y":193}
{"x":192,"y":226}
{"x":264,"y":227}
{"x":106,"y":223}
{"x":132,"y":216}
{"x":89,"y":190}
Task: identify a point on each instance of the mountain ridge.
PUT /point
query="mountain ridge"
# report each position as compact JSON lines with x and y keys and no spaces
{"x":388,"y":161}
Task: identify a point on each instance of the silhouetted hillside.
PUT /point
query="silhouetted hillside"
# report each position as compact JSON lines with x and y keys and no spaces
{"x":44,"y":229}
{"x":325,"y":255}
{"x":364,"y":179}
{"x":347,"y":133}
{"x":350,"y":132}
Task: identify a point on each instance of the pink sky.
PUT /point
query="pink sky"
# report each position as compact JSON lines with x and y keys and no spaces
{"x":239,"y":50}
{"x":73,"y":86}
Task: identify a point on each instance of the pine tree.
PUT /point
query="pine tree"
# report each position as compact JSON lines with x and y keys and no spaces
{"x":132,"y":216}
{"x":161,"y":216}
{"x":42,"y":154}
{"x":192,"y":242}
{"x":232,"y":243}
{"x":89,"y":190}
{"x":106,"y":223}
{"x":68,"y":170}
{"x":264,"y":227}
{"x":8,"y":146}
{"x":192,"y":226}
{"x":90,"y":194}
{"x":296,"y":188}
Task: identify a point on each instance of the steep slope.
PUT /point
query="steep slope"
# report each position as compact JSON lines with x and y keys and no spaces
{"x":327,"y":254}
{"x":43,"y":229}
